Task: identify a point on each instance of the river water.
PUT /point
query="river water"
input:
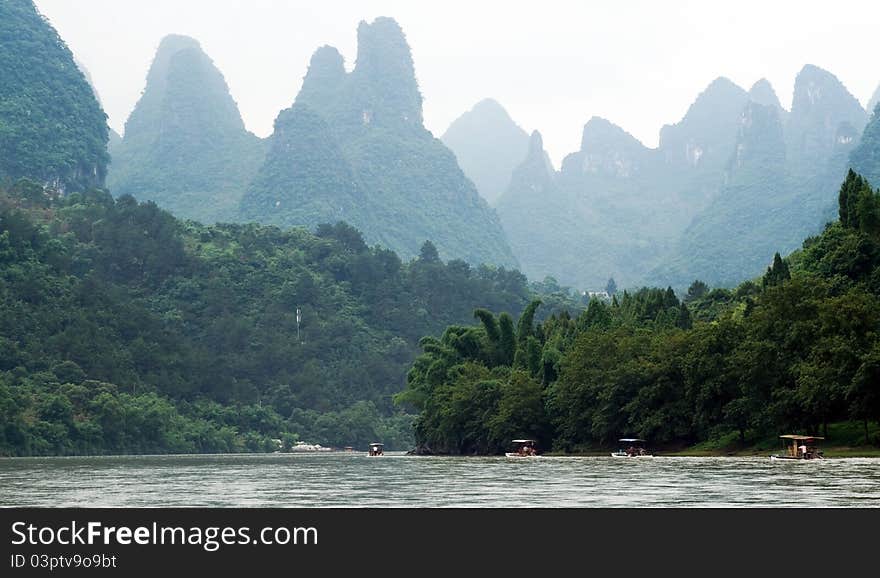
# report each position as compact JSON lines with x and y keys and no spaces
{"x":397,"y":480}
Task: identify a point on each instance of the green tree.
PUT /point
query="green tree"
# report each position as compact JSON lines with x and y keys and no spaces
{"x":611,"y":286}
{"x":697,"y":290}
{"x":777,"y":273}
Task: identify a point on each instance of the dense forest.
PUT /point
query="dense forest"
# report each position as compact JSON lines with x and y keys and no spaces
{"x":126,"y":329}
{"x":52,"y":128}
{"x":123,"y":329}
{"x":796,"y":349}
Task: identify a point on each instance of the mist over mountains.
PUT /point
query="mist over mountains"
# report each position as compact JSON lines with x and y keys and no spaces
{"x":353,"y":147}
{"x":488,"y":145}
{"x":875,"y":99}
{"x":185,"y":145}
{"x":125,"y":328}
{"x":737,"y":178}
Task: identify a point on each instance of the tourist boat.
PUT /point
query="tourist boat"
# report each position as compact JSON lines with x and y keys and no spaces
{"x":636,"y":449}
{"x":798,"y":447}
{"x":376,"y":449}
{"x":524,"y":449}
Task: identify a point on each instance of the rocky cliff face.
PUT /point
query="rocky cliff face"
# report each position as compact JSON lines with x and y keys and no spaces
{"x":185,"y":145}
{"x":704,"y":138}
{"x":743,"y":223}
{"x":380,"y":169}
{"x":607,"y":150}
{"x":780,"y":185}
{"x":488,"y":145}
{"x":825,"y":118}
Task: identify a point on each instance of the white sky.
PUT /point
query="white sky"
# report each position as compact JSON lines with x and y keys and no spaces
{"x":551,"y":64}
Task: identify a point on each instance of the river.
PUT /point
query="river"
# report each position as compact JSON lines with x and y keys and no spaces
{"x":397,"y":480}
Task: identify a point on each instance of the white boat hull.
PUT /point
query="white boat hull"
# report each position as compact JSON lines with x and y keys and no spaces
{"x":617,"y":455}
{"x":516,"y":455}
{"x":775,"y":458}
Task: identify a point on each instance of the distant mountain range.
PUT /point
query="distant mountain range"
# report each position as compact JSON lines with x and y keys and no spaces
{"x":778,"y":186}
{"x":736,"y":179}
{"x":488,"y":146}
{"x":353,"y":147}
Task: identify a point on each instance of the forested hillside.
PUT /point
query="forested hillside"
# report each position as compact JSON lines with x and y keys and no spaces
{"x":865,"y":158}
{"x":792,"y":350}
{"x":185,"y":145}
{"x":123,"y":329}
{"x":52,"y":128}
{"x":353,"y":147}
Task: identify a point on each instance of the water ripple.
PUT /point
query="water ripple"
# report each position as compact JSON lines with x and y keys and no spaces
{"x":396,"y":480}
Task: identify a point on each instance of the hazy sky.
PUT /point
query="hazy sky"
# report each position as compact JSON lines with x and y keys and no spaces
{"x":551,"y":64}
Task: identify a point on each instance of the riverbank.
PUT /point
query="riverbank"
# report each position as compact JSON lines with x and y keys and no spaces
{"x":697,"y":451}
{"x":828,"y":452}
{"x":843,"y":440}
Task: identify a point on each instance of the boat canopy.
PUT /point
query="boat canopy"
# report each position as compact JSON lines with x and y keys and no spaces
{"x":630,"y":440}
{"x":800,"y":437}
{"x":523,"y":441}
{"x":376,"y":444}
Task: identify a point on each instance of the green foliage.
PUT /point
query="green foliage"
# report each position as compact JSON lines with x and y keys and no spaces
{"x":611,"y":286}
{"x":776,"y":274}
{"x":185,"y":146}
{"x":697,"y":290}
{"x":865,"y":158}
{"x":492,"y":373}
{"x":353,"y":148}
{"x":123,"y":329}
{"x":52,"y":128}
{"x":796,"y":353}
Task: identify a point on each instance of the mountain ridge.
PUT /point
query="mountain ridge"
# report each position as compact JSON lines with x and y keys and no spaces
{"x":185,"y":145}
{"x":52,"y":126}
{"x":408,"y":185}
